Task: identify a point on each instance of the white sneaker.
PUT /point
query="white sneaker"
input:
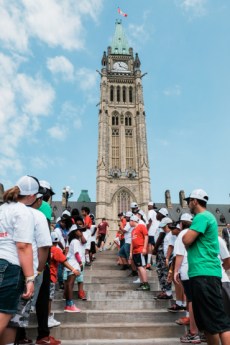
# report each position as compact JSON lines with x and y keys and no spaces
{"x":137,"y":281}
{"x":100,"y":250}
{"x":52,"y":322}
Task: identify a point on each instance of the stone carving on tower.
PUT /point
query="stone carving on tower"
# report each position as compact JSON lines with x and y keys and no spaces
{"x":122,"y":165}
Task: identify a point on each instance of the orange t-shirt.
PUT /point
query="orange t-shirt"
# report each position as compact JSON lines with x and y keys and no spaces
{"x":123,"y":223}
{"x":87,"y":222}
{"x":138,"y":238}
{"x":56,"y":257}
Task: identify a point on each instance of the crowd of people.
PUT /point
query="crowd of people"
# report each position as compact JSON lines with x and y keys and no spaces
{"x":187,"y":254}
{"x":36,"y":256}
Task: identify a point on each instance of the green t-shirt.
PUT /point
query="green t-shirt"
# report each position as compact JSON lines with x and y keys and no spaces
{"x":203,"y":253}
{"x":46,"y":209}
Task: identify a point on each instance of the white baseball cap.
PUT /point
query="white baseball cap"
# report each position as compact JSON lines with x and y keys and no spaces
{"x":46,"y":185}
{"x":28,"y":185}
{"x":66,"y":212}
{"x":165,"y":221}
{"x":199,"y":194}
{"x":128,"y":214}
{"x":134,"y":219}
{"x":186,"y":216}
{"x":54,"y":237}
{"x":163,"y":211}
{"x":133,"y":205}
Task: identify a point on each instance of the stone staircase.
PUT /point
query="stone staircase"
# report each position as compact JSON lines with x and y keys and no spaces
{"x":115,"y":313}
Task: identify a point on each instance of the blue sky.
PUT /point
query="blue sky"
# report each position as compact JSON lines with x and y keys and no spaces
{"x":49,"y":88}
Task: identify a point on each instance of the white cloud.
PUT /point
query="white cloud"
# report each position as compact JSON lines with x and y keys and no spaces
{"x":57,"y":132}
{"x":54,"y":22}
{"x":61,"y":65}
{"x":173,"y":91}
{"x":86,"y":78}
{"x":196,"y":7}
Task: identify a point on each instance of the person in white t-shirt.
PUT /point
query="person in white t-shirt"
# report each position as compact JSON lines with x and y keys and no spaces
{"x":93,"y":230}
{"x":16,"y":255}
{"x":152,"y":226}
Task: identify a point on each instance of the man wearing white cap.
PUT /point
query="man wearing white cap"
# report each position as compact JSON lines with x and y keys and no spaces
{"x":204,"y":271}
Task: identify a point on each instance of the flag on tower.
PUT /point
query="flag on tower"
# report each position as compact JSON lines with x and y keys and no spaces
{"x":122,"y":13}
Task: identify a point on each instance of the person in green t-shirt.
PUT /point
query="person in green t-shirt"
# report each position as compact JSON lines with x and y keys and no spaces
{"x":201,"y":241}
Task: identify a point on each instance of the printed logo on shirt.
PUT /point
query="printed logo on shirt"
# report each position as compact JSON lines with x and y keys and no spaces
{"x":3,"y":234}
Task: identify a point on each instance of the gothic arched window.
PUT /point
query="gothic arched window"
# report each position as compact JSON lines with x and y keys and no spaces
{"x":115,"y":148}
{"x":123,"y":201}
{"x":111,"y":93}
{"x":115,"y":119}
{"x":128,"y":120}
{"x":118,"y":94}
{"x":129,"y":149}
{"x":124,"y":94}
{"x":130,"y":94}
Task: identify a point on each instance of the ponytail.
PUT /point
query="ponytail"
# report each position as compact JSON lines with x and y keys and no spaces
{"x":11,"y":195}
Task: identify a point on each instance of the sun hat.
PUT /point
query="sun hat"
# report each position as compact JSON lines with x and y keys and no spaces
{"x":134,"y":219}
{"x":165,"y":221}
{"x":163,"y":211}
{"x":199,"y":194}
{"x":187,"y":217}
{"x":28,"y":185}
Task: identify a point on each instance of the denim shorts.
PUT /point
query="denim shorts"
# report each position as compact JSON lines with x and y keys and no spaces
{"x":79,"y":279}
{"x":124,"y":252}
{"x":12,"y":283}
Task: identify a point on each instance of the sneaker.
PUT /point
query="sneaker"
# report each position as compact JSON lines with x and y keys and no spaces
{"x":203,"y":338}
{"x":72,"y":309}
{"x":183,"y":321}
{"x":175,"y":308}
{"x":87,"y":264}
{"x":148,"y":267}
{"x":133,"y":274}
{"x":140,"y":287}
{"x":165,"y":296}
{"x":100,"y":250}
{"x":82,"y":295}
{"x":25,"y":341}
{"x":48,"y":340}
{"x":145,"y":287}
{"x":137,"y":281}
{"x":124,"y":267}
{"x":52,"y":322}
{"x":190,"y":338}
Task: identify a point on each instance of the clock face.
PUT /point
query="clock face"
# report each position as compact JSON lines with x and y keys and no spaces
{"x":120,"y":66}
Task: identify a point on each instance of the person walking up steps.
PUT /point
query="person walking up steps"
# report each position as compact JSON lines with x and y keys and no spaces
{"x":138,"y":251}
{"x":102,"y":233}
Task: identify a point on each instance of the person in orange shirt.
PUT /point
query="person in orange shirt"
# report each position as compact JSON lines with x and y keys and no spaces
{"x":138,"y":251}
{"x":122,"y":224}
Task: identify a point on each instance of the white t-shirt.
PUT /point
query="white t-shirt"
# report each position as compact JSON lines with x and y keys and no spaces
{"x":167,"y":242}
{"x":179,"y":249}
{"x":16,"y":225}
{"x":155,"y":223}
{"x":74,"y":247}
{"x":60,"y":237}
{"x":128,"y":232}
{"x":224,"y":254}
{"x":42,"y":236}
{"x":92,"y":230}
{"x":157,"y":233}
{"x":87,"y":236}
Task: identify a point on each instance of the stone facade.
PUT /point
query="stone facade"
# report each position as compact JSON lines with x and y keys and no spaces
{"x":122,"y":166}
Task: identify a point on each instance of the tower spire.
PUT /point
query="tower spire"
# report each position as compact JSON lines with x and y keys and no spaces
{"x":119,"y":43}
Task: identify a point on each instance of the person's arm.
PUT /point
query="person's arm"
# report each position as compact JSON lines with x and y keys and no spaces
{"x":25,"y":255}
{"x":95,"y":230}
{"x":144,"y":251}
{"x":159,"y":242}
{"x":82,"y":239}
{"x":178,"y":262}
{"x":149,"y":224}
{"x":74,"y":270}
{"x":190,"y":237}
{"x":168,"y":255}
{"x":43,"y":253}
{"x":226,"y":264}
{"x":131,"y":252}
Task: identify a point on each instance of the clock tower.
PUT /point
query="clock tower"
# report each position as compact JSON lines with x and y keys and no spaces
{"x":122,"y":165}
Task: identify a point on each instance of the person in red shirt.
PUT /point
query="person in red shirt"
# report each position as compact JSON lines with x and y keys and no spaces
{"x":102,"y":232}
{"x":138,"y":251}
{"x":56,"y":257}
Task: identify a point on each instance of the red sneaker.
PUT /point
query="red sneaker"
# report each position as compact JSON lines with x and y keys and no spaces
{"x":184,"y":321}
{"x":48,"y":340}
{"x":72,"y":309}
{"x":82,"y":295}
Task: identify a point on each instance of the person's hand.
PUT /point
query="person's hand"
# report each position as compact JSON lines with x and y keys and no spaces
{"x":76,"y":272}
{"x":169,"y":277}
{"x":167,"y":262}
{"x":177,"y":277}
{"x":144,"y":251}
{"x":29,"y":290}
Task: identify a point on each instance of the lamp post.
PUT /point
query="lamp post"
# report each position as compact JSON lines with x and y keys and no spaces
{"x":66,"y":194}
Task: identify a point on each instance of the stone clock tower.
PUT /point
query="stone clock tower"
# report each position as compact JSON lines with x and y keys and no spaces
{"x":122,"y":166}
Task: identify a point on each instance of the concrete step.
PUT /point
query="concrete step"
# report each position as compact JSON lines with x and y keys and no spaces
{"x":134,"y":304}
{"x":103,"y":317}
{"x":97,"y":272}
{"x":121,"y":330}
{"x":115,"y":280}
{"x":99,"y":285}
{"x":125,"y":295}
{"x":152,"y":341}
